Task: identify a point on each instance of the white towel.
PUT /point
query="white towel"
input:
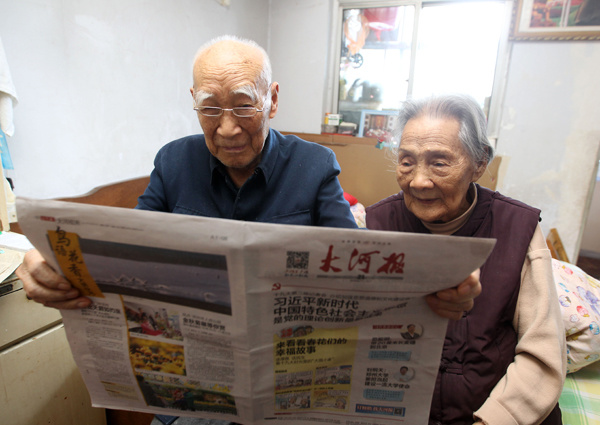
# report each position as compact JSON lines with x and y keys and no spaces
{"x":8,"y":95}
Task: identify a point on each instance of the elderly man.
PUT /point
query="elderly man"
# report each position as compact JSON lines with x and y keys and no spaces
{"x":239,"y":169}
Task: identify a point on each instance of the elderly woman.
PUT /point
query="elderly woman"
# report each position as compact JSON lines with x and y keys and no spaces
{"x":504,"y":361}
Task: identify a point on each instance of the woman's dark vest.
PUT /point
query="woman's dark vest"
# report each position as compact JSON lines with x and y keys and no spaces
{"x":479,"y":347}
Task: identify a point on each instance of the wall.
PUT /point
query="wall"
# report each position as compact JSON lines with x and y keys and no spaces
{"x":591,"y":234}
{"x":550,"y":132}
{"x":550,"y":128}
{"x":102,"y":85}
{"x":299,"y":50}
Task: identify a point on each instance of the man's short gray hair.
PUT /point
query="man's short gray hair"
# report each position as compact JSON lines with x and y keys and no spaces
{"x":463,"y":108}
{"x":265,"y":76}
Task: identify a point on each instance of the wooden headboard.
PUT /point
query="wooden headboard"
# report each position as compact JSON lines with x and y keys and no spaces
{"x":120,"y":194}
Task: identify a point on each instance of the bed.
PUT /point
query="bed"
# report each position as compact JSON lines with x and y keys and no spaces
{"x":579,"y":299}
{"x":580,"y":399}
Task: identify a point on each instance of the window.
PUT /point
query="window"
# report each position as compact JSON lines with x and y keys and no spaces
{"x":389,"y":51}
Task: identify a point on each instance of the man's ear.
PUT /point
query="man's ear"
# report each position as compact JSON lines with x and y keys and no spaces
{"x":192,"y":91}
{"x":274,"y":100}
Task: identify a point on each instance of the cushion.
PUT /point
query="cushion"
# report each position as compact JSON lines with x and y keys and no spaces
{"x":579,"y":298}
{"x":359,"y":213}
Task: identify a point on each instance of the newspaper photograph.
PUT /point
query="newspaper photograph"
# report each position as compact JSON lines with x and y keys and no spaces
{"x":253,"y":323}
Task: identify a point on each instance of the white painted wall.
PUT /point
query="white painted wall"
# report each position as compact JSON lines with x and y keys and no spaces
{"x":299,"y":51}
{"x":550,"y":130}
{"x":590,"y":241}
{"x":102,"y":85}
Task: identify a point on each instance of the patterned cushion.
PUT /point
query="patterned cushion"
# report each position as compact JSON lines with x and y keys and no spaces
{"x":579,"y":298}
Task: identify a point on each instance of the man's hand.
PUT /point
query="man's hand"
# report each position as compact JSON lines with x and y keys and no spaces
{"x":43,"y":285}
{"x":452,"y":303}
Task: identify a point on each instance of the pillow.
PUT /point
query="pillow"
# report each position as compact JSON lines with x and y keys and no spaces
{"x":579,"y":298}
{"x":359,"y":213}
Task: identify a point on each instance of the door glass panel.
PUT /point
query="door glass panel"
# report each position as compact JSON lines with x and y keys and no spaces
{"x":375,"y":60}
{"x":457,"y":49}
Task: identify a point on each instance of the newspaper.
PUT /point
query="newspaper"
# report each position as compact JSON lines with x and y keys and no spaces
{"x":250,"y":322}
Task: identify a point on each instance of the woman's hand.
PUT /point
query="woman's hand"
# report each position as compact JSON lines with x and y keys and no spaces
{"x":453,"y":302}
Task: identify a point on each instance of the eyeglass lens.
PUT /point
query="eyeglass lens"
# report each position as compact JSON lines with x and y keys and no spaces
{"x":213,"y":111}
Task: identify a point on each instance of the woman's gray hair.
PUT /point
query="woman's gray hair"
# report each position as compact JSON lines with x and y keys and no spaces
{"x":465,"y":109}
{"x":266,"y":73}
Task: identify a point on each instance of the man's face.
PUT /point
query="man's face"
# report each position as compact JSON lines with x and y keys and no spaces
{"x":228,"y":78}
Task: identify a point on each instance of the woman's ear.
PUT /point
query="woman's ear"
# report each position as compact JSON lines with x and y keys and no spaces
{"x":479,"y":170}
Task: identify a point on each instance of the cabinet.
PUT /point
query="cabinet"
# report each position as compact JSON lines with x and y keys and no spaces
{"x":39,"y":381}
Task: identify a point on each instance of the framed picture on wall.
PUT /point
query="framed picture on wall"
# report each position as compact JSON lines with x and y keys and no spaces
{"x":379,"y":124}
{"x":539,"y":20}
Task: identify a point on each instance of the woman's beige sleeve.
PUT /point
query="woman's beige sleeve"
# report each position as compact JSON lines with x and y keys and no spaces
{"x":529,"y":390}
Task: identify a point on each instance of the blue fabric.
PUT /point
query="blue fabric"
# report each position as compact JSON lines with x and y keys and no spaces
{"x":7,"y":163}
{"x":295,"y":183}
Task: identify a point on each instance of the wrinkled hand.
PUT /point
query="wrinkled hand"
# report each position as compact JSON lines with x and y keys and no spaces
{"x":43,"y":285}
{"x":453,"y":302}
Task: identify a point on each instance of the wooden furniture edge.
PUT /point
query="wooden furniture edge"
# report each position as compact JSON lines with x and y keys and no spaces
{"x":333,"y":139}
{"x":122,"y":194}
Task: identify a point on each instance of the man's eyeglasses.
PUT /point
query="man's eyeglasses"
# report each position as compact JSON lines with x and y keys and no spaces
{"x":241,"y":111}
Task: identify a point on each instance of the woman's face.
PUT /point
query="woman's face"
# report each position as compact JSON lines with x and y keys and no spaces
{"x":434,"y":170}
